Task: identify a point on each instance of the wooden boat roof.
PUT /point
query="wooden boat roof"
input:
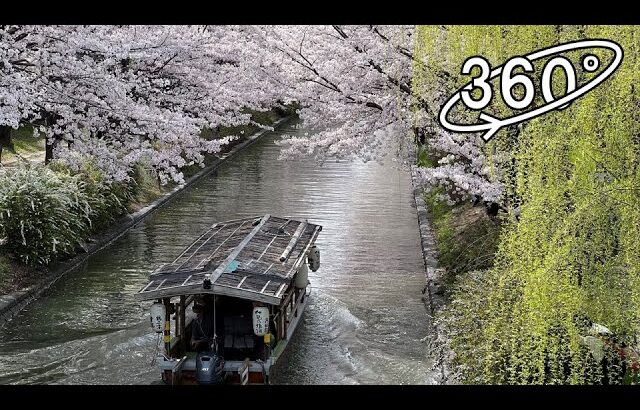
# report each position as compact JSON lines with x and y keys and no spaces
{"x":252,"y":258}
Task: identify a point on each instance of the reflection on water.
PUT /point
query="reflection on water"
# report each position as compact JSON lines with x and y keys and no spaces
{"x":365,"y":318}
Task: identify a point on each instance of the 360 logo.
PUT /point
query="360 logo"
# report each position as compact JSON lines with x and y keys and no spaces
{"x":508,"y":80}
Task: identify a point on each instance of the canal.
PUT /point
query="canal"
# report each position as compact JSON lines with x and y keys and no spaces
{"x":365,"y":319}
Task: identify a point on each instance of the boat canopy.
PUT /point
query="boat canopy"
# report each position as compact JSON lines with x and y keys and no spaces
{"x":252,"y":258}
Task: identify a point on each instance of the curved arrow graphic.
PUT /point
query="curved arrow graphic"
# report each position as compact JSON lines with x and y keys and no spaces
{"x":492,"y":124}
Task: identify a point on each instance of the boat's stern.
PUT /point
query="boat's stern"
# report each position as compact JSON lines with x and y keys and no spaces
{"x":185,"y":371}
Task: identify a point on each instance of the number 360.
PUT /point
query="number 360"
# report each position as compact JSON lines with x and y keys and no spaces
{"x":508,"y":81}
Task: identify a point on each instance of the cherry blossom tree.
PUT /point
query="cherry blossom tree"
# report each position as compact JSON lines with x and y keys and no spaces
{"x":127,"y":93}
{"x":18,"y":90}
{"x":124,"y":94}
{"x":353,"y":89}
{"x":144,"y":92}
{"x":357,"y":90}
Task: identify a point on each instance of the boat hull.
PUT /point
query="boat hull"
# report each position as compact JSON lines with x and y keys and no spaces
{"x":183,"y":371}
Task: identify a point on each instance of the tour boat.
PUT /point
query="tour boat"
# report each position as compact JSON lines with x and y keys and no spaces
{"x":247,"y":280}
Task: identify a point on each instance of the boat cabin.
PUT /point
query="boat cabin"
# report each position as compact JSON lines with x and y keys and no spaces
{"x":227,"y":306}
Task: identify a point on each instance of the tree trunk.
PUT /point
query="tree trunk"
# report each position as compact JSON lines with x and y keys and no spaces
{"x":51,"y":144}
{"x":5,"y":138}
{"x":419,"y":135}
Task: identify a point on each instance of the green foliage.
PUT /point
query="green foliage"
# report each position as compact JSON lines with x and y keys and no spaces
{"x":41,"y":213}
{"x":24,"y":142}
{"x":106,"y":199}
{"x":258,"y":119}
{"x":143,"y":187}
{"x":269,"y":117}
{"x":46,"y":211}
{"x":424,"y":159}
{"x":467,"y":238}
{"x":573,"y":256}
{"x":5,"y":270}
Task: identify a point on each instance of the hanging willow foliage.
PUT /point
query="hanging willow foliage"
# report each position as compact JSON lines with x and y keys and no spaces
{"x":571,"y":259}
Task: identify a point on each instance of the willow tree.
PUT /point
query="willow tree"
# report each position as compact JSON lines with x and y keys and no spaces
{"x":571,"y":259}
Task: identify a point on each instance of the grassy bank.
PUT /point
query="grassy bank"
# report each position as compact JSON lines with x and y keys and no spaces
{"x":24,"y":147}
{"x":467,"y":238}
{"x":47,"y":213}
{"x":14,"y":275}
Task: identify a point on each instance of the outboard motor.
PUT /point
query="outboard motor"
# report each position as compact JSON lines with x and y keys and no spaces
{"x":209,"y":368}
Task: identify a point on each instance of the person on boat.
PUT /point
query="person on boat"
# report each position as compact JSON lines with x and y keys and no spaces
{"x":203,"y":328}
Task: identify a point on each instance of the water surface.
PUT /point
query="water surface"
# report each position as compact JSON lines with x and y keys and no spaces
{"x":363,"y":323}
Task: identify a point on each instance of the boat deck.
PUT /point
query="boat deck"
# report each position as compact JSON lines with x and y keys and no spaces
{"x":251,"y":258}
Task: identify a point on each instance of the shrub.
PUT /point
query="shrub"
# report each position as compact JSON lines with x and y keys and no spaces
{"x":144,"y":186}
{"x":5,"y":271}
{"x":106,"y":199}
{"x":42,"y":215}
{"x":462,"y":330}
{"x":45,"y":211}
